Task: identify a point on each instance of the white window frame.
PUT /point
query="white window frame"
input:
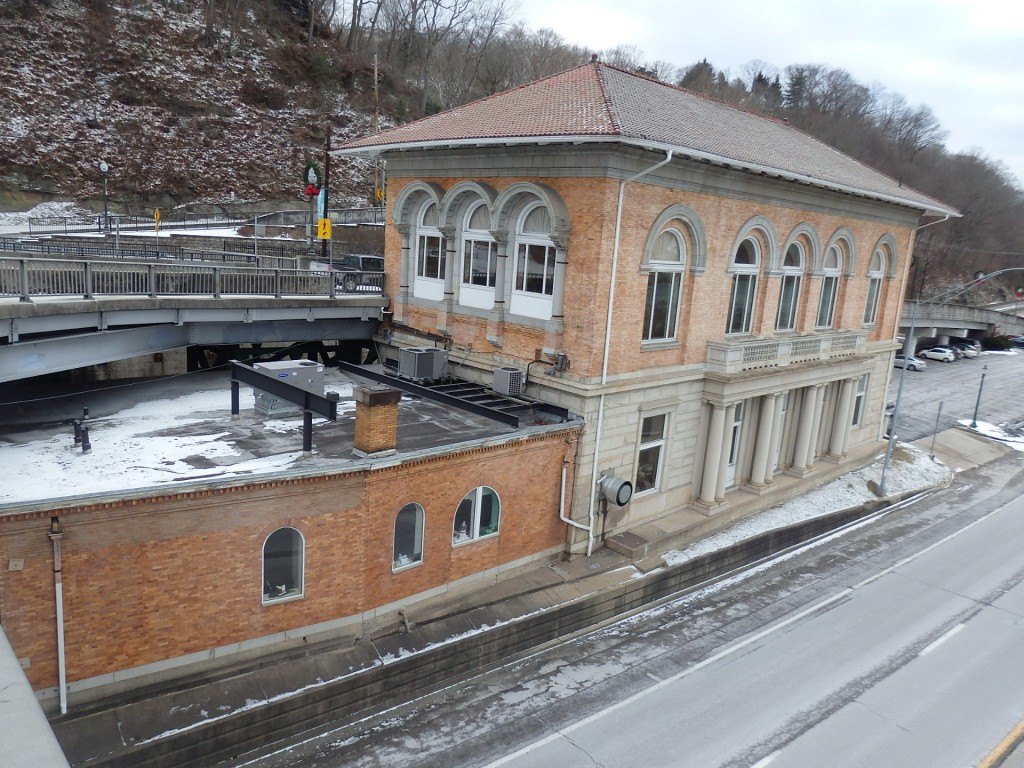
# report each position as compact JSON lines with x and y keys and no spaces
{"x":831,"y":272}
{"x":743,"y":294}
{"x":664,"y":275}
{"x":473,"y":293}
{"x":876,"y":271}
{"x":278,"y":593}
{"x":466,"y":528}
{"x":789,"y":291}
{"x":859,"y":398}
{"x":428,"y":285}
{"x":403,"y":560}
{"x":649,"y":442}
{"x":531,"y":303}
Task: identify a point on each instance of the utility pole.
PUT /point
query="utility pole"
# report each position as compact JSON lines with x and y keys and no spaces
{"x":324,"y":250}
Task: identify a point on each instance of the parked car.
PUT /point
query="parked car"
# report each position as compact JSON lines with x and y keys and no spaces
{"x":942,"y":354}
{"x":965,"y":350}
{"x":365,"y":271}
{"x":909,"y":362}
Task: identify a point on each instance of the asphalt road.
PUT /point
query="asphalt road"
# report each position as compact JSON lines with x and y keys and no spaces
{"x":892,"y":644}
{"x":954,"y":387}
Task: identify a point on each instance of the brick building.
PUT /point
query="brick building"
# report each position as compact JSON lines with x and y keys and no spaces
{"x":714,"y":291}
{"x":401,"y":500}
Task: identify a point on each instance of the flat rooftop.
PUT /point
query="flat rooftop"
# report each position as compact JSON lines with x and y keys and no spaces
{"x":157,"y":434}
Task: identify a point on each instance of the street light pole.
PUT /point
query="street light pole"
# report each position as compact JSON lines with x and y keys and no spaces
{"x":974,"y":418}
{"x":106,"y":218}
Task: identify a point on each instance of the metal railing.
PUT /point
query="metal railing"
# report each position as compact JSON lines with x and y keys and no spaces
{"x":27,"y":278}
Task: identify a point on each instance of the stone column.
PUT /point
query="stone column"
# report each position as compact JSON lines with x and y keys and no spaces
{"x":496,"y":317}
{"x":445,"y":311}
{"x":763,"y":445}
{"x":803,"y":430}
{"x":819,"y":406}
{"x":712,"y":455}
{"x":777,"y":426}
{"x":841,"y":422}
{"x":406,"y":271}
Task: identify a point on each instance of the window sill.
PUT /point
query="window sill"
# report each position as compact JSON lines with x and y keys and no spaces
{"x":272,"y":600}
{"x":463,"y":541}
{"x":656,"y":345}
{"x":406,"y":566}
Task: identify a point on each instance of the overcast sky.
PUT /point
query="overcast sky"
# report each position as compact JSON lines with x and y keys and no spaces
{"x":963,"y":59}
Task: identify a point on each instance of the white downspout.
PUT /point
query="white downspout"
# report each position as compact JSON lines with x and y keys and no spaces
{"x":56,"y":533}
{"x":608,"y":341}
{"x":561,"y":504}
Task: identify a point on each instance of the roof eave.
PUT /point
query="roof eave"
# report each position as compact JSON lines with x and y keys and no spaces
{"x":375,"y":150}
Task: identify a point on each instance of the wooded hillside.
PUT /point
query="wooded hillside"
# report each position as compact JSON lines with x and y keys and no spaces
{"x":221,"y":101}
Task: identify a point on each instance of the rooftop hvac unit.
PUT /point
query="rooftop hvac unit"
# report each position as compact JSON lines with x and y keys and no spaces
{"x":509,"y":381}
{"x":422,"y":363}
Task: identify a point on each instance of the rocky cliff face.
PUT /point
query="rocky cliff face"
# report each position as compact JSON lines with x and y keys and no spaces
{"x":183,"y":107}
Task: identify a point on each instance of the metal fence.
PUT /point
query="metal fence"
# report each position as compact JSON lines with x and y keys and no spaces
{"x":27,"y":278}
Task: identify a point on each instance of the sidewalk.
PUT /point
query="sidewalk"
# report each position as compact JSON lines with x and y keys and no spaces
{"x":262,"y":699}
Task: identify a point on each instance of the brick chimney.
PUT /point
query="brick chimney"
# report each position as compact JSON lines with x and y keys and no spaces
{"x":376,"y":419}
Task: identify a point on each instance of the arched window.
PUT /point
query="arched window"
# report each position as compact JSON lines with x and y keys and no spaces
{"x":430,"y":246}
{"x":875,"y":272}
{"x":476,"y":516}
{"x":479,"y":254}
{"x":829,"y":287}
{"x":535,"y":252}
{"x":283,"y":554}
{"x":408,"y":536}
{"x":664,"y":266}
{"x":789,"y":296}
{"x":744,"y":270}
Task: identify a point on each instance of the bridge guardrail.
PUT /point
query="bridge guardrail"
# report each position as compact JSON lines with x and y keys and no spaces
{"x":26,"y":278}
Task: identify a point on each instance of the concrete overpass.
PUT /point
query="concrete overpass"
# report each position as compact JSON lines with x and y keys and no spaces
{"x":58,"y":314}
{"x":920,"y":322}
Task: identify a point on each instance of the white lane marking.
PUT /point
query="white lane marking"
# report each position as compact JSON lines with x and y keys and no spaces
{"x":936,"y":643}
{"x":738,"y":646}
{"x":765,"y":760}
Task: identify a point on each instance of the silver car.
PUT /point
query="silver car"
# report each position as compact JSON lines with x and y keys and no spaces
{"x":909,"y":362}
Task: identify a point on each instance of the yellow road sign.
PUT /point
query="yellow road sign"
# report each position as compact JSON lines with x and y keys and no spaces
{"x":156,"y":215}
{"x":323,"y":229}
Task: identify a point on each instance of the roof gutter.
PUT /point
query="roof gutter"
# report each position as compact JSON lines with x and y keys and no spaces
{"x":695,"y":154}
{"x":608,"y":340}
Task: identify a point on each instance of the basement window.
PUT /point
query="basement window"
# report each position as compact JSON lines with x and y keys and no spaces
{"x":476,"y":516}
{"x":283,"y":556}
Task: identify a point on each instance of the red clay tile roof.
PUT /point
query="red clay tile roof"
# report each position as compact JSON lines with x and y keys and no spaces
{"x":598,"y":102}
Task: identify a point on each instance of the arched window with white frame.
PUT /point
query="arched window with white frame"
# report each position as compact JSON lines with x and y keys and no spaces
{"x":477,"y":515}
{"x":744,"y":269}
{"x":431,"y":256}
{"x":831,"y":271}
{"x":666,"y":261}
{"x":479,"y":259}
{"x":876,"y":270}
{"x":533,"y":276}
{"x":408,"y":545}
{"x":789,"y":294}
{"x":283,"y":565}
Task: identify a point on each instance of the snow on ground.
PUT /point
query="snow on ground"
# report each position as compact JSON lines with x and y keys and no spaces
{"x":910,"y":469}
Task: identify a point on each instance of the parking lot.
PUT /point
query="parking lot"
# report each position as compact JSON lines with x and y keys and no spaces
{"x":953,"y":388}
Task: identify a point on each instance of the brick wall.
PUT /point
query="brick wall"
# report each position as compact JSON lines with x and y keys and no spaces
{"x":154,"y":579}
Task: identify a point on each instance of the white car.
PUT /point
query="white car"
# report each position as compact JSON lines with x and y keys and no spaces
{"x":909,"y":362}
{"x":967,"y":351}
{"x":942,"y":354}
